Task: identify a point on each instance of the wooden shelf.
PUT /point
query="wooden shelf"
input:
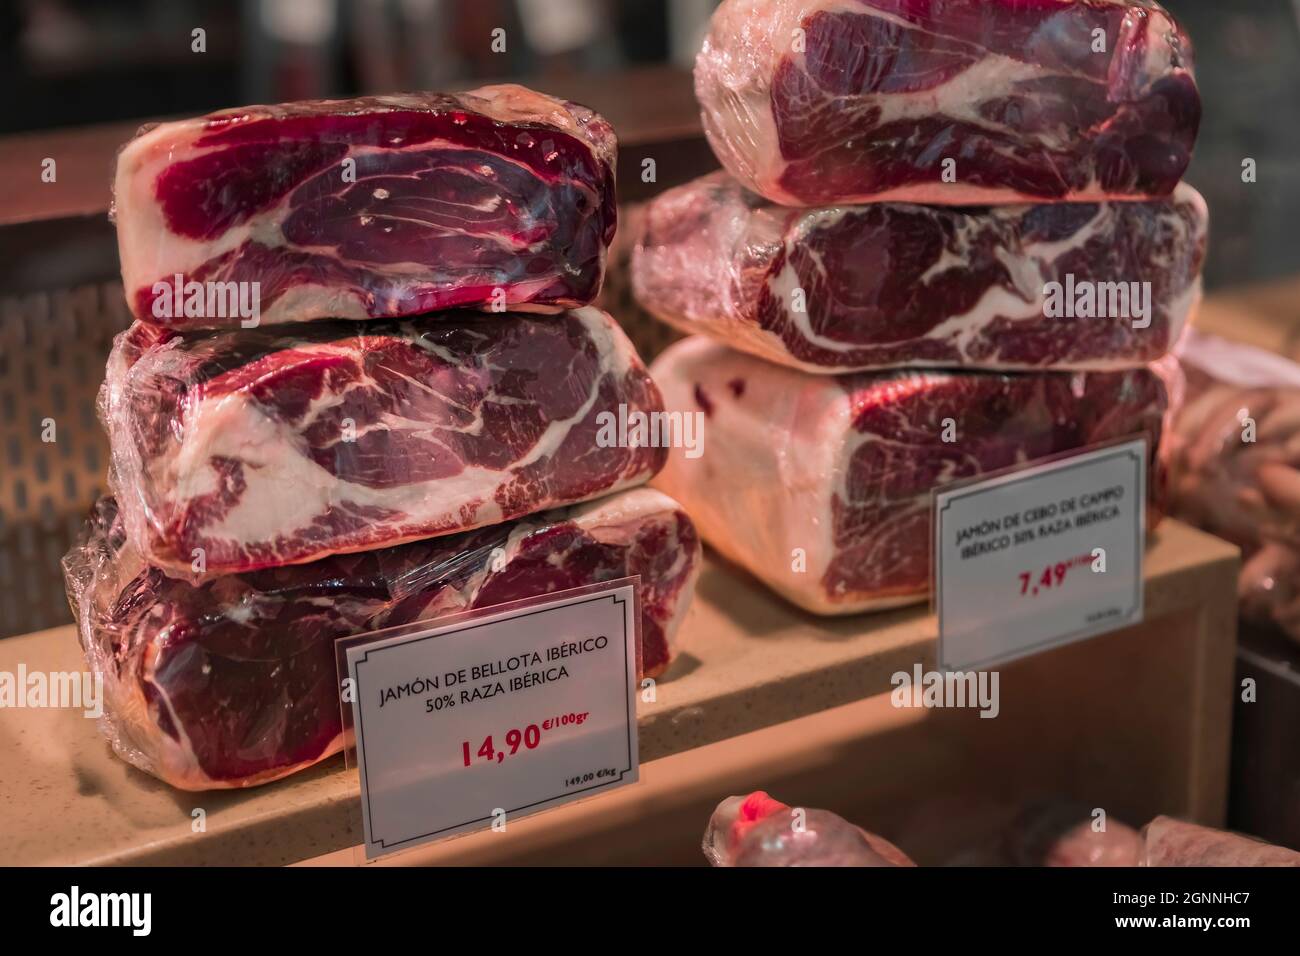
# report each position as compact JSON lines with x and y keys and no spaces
{"x":749,"y":661}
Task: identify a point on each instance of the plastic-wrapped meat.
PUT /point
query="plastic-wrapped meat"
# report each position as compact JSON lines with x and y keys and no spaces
{"x":232,"y":682}
{"x":1170,"y":842}
{"x":1234,"y":467}
{"x":1063,"y":834}
{"x":948,"y":102}
{"x":246,"y":449}
{"x":377,"y":207}
{"x":759,"y":831}
{"x":820,"y":486}
{"x":849,"y":288}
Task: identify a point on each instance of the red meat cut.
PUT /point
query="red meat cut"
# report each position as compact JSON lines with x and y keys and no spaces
{"x":833,"y":511}
{"x":757,"y":830}
{"x":368,"y":208}
{"x":247,"y":449}
{"x":851,"y":288}
{"x":811,"y":102}
{"x":232,"y":683}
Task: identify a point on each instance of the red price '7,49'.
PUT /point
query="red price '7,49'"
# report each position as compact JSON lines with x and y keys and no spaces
{"x":1052,"y":576}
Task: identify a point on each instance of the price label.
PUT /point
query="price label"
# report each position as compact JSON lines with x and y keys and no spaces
{"x":473,"y":723}
{"x":1040,"y":556}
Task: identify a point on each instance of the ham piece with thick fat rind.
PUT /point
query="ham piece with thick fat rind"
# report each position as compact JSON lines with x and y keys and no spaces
{"x":952,"y":102}
{"x":378,"y":207}
{"x":247,"y":449}
{"x":820,"y":486}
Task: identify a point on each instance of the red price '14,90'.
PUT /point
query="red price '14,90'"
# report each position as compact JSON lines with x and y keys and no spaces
{"x":529,"y":737}
{"x":1052,"y":576}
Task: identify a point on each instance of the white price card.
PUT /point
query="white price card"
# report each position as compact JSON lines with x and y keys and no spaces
{"x":1040,"y":556}
{"x":496,"y":715}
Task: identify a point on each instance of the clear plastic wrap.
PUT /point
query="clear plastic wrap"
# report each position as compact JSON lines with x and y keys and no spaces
{"x":809,"y":102}
{"x":379,"y":207}
{"x":1170,"y":842}
{"x":245,"y":449}
{"x":1233,"y":458}
{"x":1062,"y":833}
{"x":820,"y":486}
{"x":851,"y":288}
{"x":759,"y":831}
{"x":232,"y":683}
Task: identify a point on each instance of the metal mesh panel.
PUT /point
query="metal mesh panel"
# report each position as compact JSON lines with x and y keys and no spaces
{"x":53,"y":453}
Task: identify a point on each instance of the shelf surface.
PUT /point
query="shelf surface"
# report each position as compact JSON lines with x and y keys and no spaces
{"x":748,"y":660}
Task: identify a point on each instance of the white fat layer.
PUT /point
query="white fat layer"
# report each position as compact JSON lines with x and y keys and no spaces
{"x":992,"y":77}
{"x":787,"y":432}
{"x":346,"y":303}
{"x":622,"y":508}
{"x":309,"y":298}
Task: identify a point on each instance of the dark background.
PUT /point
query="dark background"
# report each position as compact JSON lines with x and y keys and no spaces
{"x":71,"y":62}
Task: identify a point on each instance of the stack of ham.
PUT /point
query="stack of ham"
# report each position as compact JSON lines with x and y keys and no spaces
{"x":949,"y":238}
{"x":303,"y":450}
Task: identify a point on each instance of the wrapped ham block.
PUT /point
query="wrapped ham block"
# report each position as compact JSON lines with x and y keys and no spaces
{"x":820,"y":486}
{"x":851,"y":288}
{"x":232,"y":683}
{"x":253,"y":448}
{"x":949,"y":102}
{"x":1062,"y":833}
{"x":377,"y":207}
{"x":1171,"y":842}
{"x":759,"y":831}
{"x":1234,"y":467}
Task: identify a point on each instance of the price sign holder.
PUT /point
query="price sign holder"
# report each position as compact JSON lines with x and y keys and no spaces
{"x":472,"y":721}
{"x":1040,"y":555}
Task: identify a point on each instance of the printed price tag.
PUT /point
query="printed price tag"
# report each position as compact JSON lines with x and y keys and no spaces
{"x":494,"y":716}
{"x":1041,"y":556}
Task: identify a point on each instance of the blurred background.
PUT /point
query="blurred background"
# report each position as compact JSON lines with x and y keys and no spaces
{"x":73,"y":62}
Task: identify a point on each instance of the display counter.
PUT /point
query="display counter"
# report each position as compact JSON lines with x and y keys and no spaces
{"x":1150,"y":730}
